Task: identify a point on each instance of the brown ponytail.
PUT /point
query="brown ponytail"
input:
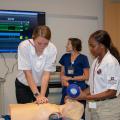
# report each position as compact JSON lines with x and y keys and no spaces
{"x":113,"y":50}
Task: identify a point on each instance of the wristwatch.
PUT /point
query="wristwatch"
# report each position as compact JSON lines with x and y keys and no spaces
{"x":36,"y":94}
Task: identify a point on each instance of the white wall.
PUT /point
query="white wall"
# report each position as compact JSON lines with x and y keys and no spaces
{"x":88,"y":12}
{"x":67,"y":26}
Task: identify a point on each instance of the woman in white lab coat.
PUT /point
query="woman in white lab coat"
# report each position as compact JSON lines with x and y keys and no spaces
{"x":103,"y":93}
{"x":36,"y":58}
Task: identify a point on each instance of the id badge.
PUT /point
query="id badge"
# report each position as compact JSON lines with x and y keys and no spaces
{"x":92,"y":104}
{"x":71,"y":70}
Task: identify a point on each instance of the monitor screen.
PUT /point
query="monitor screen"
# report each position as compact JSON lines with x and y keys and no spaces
{"x":16,"y":26}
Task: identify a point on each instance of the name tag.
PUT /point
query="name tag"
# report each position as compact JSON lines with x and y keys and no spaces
{"x":71,"y":70}
{"x":92,"y":104}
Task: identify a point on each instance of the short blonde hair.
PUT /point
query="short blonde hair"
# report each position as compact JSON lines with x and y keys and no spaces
{"x":43,"y":31}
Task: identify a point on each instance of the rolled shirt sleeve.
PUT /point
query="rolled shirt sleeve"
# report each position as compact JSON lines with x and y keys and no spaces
{"x":113,"y":76}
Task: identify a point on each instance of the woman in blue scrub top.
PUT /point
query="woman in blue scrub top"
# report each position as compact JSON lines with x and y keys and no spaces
{"x":74,"y":68}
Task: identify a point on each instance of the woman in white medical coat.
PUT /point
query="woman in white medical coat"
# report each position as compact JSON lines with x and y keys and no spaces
{"x":103,"y":93}
{"x":36,"y":58}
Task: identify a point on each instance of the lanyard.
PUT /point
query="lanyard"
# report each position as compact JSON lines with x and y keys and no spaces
{"x":31,"y":43}
{"x":94,"y":72}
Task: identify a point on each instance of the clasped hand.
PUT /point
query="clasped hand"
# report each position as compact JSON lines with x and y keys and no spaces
{"x":41,"y":99}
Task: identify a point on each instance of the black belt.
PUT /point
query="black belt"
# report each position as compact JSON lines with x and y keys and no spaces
{"x":107,"y":98}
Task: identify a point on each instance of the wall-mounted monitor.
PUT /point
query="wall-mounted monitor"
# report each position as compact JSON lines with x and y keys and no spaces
{"x":16,"y":26}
